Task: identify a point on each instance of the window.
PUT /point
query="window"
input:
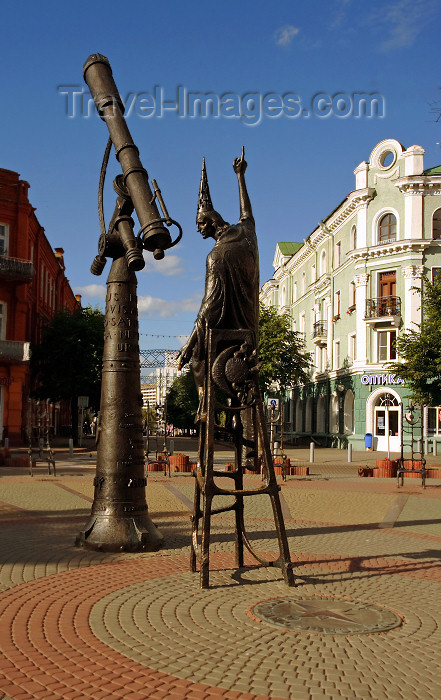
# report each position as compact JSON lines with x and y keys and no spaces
{"x":313,"y":274}
{"x":387,"y":229}
{"x":283,"y":296}
{"x":302,"y":323}
{"x":336,"y":304}
{"x":333,"y":414}
{"x":323,"y":359}
{"x":304,"y":283}
{"x":349,"y":413}
{"x":4,"y":235}
{"x":386,"y":345}
{"x":323,"y":263}
{"x":436,"y":225}
{"x":351,"y":293}
{"x":352,"y":345}
{"x":321,"y":414}
{"x":338,"y":254}
{"x":434,"y":420}
{"x":436,"y":272}
{"x":294,"y":292}
{"x":336,"y":354}
{"x":353,"y":238}
{"x":2,"y":320}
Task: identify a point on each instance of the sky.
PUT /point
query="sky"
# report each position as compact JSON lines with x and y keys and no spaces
{"x":286,"y":80}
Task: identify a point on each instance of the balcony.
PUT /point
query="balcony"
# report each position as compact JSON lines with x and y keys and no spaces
{"x":15,"y":270}
{"x":383,"y":310}
{"x":320,"y":333}
{"x":14,"y":351}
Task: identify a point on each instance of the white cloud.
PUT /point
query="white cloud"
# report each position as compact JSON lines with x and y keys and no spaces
{"x":94,"y":291}
{"x":149,"y":306}
{"x":403,"y":20}
{"x":285,"y":35}
{"x":169,"y":266}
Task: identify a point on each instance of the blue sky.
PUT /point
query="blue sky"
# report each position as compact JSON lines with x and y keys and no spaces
{"x":300,"y":162}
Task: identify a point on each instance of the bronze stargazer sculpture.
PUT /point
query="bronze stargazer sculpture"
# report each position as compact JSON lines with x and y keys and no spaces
{"x":223,"y":350}
{"x":119,"y":520}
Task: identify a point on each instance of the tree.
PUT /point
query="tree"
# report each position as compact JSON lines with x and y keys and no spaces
{"x":182,"y":401}
{"x":420,"y":350}
{"x":67,"y":362}
{"x":281,"y":351}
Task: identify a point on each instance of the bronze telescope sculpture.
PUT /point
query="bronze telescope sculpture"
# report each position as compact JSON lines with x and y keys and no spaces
{"x":119,"y":519}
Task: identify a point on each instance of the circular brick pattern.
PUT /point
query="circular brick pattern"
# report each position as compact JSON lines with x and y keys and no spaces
{"x":87,"y":633}
{"x":208,"y":636}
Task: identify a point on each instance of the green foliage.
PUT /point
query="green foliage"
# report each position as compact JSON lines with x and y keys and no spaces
{"x":182,"y":401}
{"x":421,"y":350}
{"x":67,"y":362}
{"x":281,"y":351}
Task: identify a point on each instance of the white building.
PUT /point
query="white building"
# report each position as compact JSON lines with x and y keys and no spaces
{"x":350,"y":289}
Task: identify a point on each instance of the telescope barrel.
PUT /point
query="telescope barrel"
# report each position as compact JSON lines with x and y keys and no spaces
{"x":98,"y":76}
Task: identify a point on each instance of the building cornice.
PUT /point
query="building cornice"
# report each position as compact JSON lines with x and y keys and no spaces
{"x":419,"y":184}
{"x":385,"y":249}
{"x":353,"y":201}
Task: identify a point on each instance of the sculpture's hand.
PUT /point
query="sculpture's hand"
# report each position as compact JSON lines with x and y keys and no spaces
{"x":240,"y":164}
{"x":184,"y":356}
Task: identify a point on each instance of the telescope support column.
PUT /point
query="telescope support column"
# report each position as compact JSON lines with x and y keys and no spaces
{"x":119,"y":519}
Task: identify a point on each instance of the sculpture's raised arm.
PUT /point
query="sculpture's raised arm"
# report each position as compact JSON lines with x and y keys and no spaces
{"x":240,"y":165}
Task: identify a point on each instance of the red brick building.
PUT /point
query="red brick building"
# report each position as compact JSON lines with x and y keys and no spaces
{"x":33,"y":287}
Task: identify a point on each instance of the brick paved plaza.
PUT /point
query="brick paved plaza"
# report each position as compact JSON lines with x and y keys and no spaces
{"x":80,"y":624}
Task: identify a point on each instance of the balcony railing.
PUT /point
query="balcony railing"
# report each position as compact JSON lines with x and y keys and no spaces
{"x":15,"y":270}
{"x":14,"y":351}
{"x":383,"y":307}
{"x":320,"y":332}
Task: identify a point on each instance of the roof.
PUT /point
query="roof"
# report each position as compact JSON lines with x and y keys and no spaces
{"x":433,"y":171}
{"x":289,"y":247}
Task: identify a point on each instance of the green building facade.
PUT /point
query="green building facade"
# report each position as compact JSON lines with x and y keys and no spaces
{"x":350,"y":289}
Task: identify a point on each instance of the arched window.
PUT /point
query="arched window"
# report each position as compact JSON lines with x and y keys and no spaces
{"x":323,"y":263}
{"x":387,"y":228}
{"x":304,"y":283}
{"x":333,"y":414}
{"x":349,"y":413}
{"x":436,"y":225}
{"x":321,"y":414}
{"x":294,"y":292}
{"x":308,"y":415}
{"x":299,"y":416}
{"x":353,"y":238}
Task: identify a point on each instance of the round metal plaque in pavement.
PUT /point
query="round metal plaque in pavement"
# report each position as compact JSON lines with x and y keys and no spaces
{"x":326,"y":615}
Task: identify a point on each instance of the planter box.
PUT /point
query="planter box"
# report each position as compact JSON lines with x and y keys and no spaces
{"x":385,"y":472}
{"x":299,"y":471}
{"x":279,"y":460}
{"x":433,"y":473}
{"x":179,"y":463}
{"x":156,"y":466}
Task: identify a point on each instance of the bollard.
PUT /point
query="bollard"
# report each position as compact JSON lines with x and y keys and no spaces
{"x":311,"y":452}
{"x":6,"y":442}
{"x":70,"y":448}
{"x":349,"y":452}
{"x":419,"y":445}
{"x":171,"y":448}
{"x":435,"y":446}
{"x":426,"y":446}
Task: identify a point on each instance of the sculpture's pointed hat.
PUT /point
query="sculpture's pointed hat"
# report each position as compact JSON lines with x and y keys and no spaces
{"x":204,"y":202}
